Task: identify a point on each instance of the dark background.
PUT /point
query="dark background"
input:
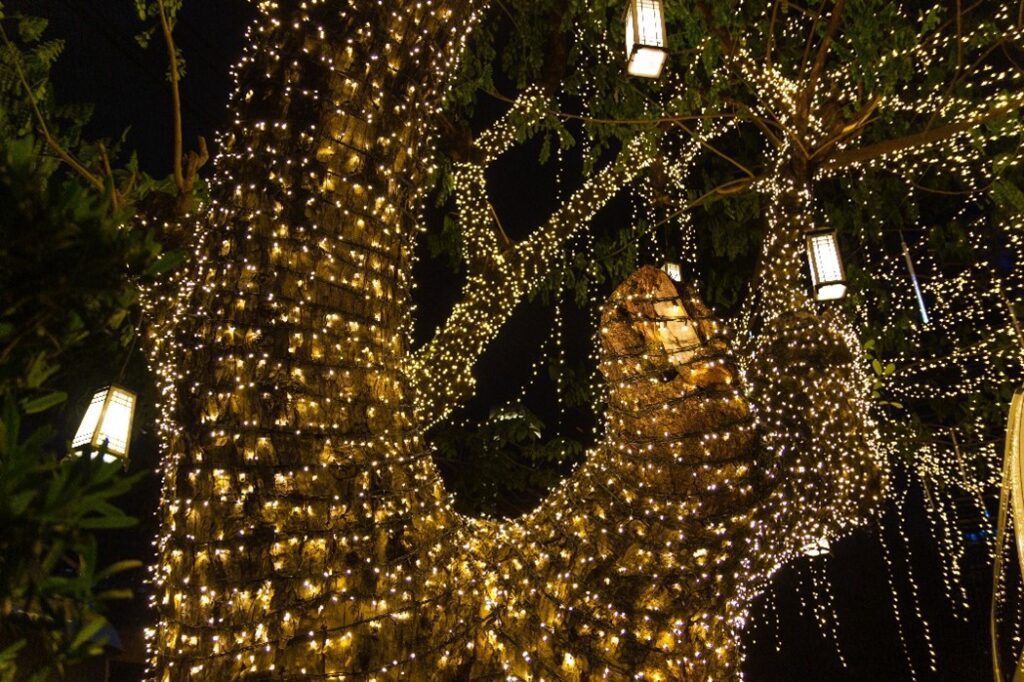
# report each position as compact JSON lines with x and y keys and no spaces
{"x":103,"y":64}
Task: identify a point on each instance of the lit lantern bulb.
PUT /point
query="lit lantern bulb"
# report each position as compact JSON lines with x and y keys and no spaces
{"x":108,"y":423}
{"x":828,"y":277}
{"x":646,"y":51}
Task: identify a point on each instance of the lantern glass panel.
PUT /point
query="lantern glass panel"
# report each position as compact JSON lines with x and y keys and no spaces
{"x":674,"y":271}
{"x":645,"y":38}
{"x":819,"y":547}
{"x":826,"y":264}
{"x":90,"y":420}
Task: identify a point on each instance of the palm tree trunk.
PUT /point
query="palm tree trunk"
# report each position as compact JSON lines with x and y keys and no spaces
{"x":286,"y":414}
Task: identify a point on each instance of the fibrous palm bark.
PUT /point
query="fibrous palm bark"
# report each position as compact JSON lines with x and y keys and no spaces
{"x":291,"y":474}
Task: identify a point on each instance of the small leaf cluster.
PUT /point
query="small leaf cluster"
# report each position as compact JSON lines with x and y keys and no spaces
{"x":502,"y":467}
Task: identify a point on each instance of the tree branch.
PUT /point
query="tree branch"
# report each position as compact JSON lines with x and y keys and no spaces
{"x":441,"y":372}
{"x":52,"y":143}
{"x":185,"y":171}
{"x":659,"y":120}
{"x":771,"y":35}
{"x":819,"y":59}
{"x":172,"y":59}
{"x":926,"y":137}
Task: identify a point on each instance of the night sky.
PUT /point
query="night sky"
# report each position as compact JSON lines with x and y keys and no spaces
{"x":103,"y":64}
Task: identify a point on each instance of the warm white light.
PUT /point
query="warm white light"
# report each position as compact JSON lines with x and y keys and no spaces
{"x":827,"y":275}
{"x":645,"y":38}
{"x":674,"y":271}
{"x":108,"y":421}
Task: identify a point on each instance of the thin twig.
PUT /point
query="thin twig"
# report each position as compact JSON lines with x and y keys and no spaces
{"x":115,"y":200}
{"x":958,"y":193}
{"x":959,"y":35}
{"x":616,"y":121}
{"x":172,"y":57}
{"x":961,"y":74}
{"x":50,"y":141}
{"x":760,"y":122}
{"x":501,"y":228}
{"x":714,"y":149}
{"x":725,"y":189}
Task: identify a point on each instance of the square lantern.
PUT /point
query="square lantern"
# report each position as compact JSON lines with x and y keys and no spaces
{"x":674,"y":271}
{"x":819,"y":547}
{"x":828,"y":277}
{"x":646,"y":45}
{"x":108,"y":420}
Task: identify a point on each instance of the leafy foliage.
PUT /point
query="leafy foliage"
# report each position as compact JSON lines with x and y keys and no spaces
{"x":500,"y":466}
{"x":51,"y":585}
{"x":573,"y":51}
{"x":70,"y":267}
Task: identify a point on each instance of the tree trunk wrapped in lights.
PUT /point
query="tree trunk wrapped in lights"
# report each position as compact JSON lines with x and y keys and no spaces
{"x":290,"y":469}
{"x":306,"y":533}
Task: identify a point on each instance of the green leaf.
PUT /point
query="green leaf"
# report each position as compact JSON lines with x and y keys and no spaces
{"x":111,"y":595}
{"x":86,"y":633}
{"x":19,"y":503}
{"x":43,"y":403}
{"x":40,"y":370}
{"x":107,"y":522}
{"x":119,"y":567}
{"x":10,"y":653}
{"x":165,"y":263}
{"x":117,"y":318}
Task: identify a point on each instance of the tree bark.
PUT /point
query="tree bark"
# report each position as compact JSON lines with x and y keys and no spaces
{"x":290,"y":470}
{"x":500,"y":277}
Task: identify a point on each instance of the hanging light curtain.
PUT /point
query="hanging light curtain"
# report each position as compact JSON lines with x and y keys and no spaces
{"x":1011,"y":502}
{"x":828,"y":277}
{"x":646,"y":44}
{"x":913,"y":278}
{"x":107,"y":423}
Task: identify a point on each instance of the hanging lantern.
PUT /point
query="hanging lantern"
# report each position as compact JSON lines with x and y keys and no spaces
{"x":819,"y":547}
{"x":828,"y":277}
{"x":673,"y":270}
{"x":107,"y":423}
{"x":645,"y":38}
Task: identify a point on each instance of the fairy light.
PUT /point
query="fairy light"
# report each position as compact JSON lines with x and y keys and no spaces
{"x":306,"y":532}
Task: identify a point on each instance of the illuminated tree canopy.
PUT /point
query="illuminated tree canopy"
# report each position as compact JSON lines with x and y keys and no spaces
{"x":306,"y":530}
